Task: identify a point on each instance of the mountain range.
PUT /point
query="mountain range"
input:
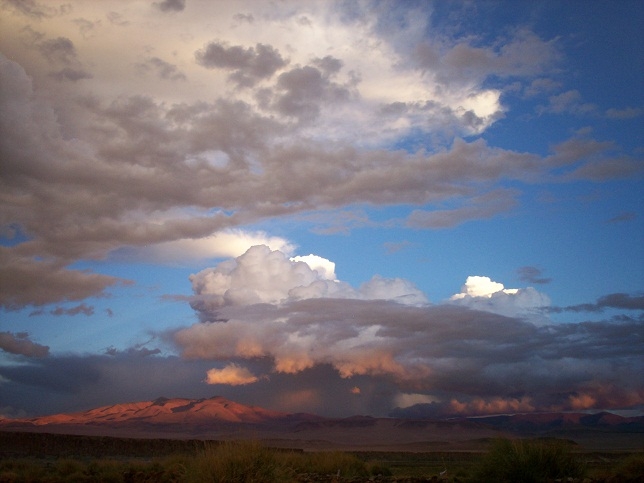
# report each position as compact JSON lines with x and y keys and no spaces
{"x":220,"y":418}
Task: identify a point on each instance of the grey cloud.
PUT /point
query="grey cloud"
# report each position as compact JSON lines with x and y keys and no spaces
{"x":448,"y":352}
{"x":621,"y":301}
{"x":59,"y":50}
{"x":30,"y":282}
{"x":480,"y":207}
{"x":71,"y":74}
{"x":532,"y":275}
{"x":33,"y":9}
{"x":75,"y":201}
{"x":623,"y":217}
{"x":79,"y":309}
{"x":329,"y":65}
{"x":394,"y":247}
{"x":116,"y":18}
{"x":243,"y":17}
{"x":86,"y":27}
{"x":302,"y":90}
{"x":20,"y":344}
{"x":162,"y":69}
{"x":250,"y":65}
{"x":86,"y":310}
{"x":626,"y":113}
{"x":608,"y":168}
{"x":569,"y":102}
{"x":540,"y":86}
{"x":170,"y":5}
{"x":525,"y":55}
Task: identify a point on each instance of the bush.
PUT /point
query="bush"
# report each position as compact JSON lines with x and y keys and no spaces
{"x":528,"y":462}
{"x":234,"y":462}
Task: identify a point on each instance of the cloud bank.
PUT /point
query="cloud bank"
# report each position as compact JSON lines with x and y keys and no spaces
{"x":482,"y":351}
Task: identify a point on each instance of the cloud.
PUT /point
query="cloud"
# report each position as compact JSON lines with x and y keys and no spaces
{"x":29,"y":282}
{"x":481,"y":293}
{"x":79,"y":309}
{"x":162,"y":69}
{"x":324,"y":267}
{"x":464,"y":359}
{"x":68,"y":73}
{"x":626,"y":113}
{"x":232,"y":374}
{"x":477,"y":208}
{"x":463,"y":356}
{"x":222,"y":244}
{"x":623,"y":217}
{"x":532,"y":275}
{"x":568,"y":102}
{"x":170,"y":5}
{"x":33,"y":9}
{"x":20,"y":344}
{"x":249,"y":65}
{"x":60,"y":50}
{"x":621,"y":301}
{"x":265,"y":276}
{"x":98,"y":162}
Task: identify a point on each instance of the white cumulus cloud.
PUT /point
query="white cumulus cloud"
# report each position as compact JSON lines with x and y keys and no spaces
{"x":482,"y":293}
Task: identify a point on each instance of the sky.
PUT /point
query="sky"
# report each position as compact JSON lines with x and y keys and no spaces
{"x":419,"y":209}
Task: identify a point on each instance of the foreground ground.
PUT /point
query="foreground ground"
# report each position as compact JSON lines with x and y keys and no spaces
{"x":53,"y":458}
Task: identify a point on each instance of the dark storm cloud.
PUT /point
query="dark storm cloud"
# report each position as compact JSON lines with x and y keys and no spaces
{"x":20,"y":344}
{"x":170,"y":5}
{"x":532,"y":275}
{"x":250,"y":65}
{"x":470,"y":360}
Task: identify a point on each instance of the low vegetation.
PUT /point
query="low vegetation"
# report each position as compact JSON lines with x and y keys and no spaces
{"x":250,"y":461}
{"x":529,"y":462}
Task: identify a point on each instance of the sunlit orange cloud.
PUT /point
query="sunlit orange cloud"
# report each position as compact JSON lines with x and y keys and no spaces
{"x":492,"y":406}
{"x":292,"y":364}
{"x":232,"y":375}
{"x":371,"y":362}
{"x":605,"y":396}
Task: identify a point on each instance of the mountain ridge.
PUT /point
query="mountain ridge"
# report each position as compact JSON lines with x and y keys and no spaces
{"x":221,"y":418}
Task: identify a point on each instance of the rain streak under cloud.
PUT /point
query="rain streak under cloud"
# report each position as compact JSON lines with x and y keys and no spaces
{"x":279,"y":202}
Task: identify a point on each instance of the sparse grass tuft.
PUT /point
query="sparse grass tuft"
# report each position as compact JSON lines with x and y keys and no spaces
{"x":528,"y":462}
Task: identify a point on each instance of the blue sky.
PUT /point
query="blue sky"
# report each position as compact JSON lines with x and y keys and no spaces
{"x":462,"y":179}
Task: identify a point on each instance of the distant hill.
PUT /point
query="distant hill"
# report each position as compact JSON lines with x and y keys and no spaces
{"x":220,"y":418}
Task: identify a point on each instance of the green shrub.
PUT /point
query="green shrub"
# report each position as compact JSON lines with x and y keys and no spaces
{"x":234,"y":462}
{"x":528,"y":462}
